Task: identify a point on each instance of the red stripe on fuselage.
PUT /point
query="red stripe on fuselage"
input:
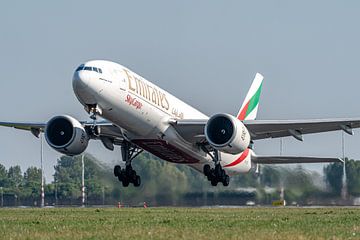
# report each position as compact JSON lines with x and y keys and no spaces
{"x":242,"y":157}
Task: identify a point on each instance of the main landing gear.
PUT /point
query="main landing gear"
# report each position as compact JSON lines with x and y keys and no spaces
{"x":128,"y":175}
{"x":217,"y":174}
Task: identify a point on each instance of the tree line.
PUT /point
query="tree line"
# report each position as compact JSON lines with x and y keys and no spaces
{"x":165,"y":183}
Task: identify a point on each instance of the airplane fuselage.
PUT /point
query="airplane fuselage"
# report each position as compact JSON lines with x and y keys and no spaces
{"x":143,"y":111}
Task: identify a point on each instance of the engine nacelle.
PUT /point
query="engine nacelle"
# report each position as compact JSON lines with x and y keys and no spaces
{"x":227,"y":134}
{"x":66,"y":135}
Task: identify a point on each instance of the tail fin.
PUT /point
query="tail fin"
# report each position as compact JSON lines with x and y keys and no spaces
{"x":248,"y":110}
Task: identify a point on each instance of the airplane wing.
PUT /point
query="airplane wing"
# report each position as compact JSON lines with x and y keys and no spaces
{"x":261,"y":129}
{"x":23,"y":125}
{"x":107,"y":129}
{"x":35,"y":128}
{"x":192,"y":130}
{"x":286,"y":160}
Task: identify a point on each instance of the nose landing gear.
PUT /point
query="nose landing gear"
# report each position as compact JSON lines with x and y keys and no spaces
{"x":93,"y":110}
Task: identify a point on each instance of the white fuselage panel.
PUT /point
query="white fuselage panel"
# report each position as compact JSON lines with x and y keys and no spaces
{"x":143,"y":110}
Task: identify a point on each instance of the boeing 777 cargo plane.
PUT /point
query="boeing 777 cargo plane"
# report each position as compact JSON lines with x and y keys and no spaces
{"x":141,"y":116}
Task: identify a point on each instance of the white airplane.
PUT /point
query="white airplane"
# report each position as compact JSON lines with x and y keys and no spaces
{"x":141,"y":116}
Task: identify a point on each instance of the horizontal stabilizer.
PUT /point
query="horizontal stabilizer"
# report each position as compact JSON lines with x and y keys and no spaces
{"x":287,"y":159}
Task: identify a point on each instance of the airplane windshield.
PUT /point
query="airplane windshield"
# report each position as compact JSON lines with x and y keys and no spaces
{"x":88,"y":68}
{"x":81,"y":67}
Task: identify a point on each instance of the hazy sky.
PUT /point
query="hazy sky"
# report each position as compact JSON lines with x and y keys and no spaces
{"x":204,"y":52}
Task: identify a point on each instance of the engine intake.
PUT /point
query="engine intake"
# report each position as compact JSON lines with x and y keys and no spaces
{"x":66,"y":135}
{"x":227,"y":134}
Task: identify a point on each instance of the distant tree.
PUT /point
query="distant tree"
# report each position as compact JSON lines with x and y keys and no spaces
{"x":333,"y":174}
{"x":270,"y":176}
{"x":196,"y":181}
{"x":14,"y":182}
{"x":298,"y":183}
{"x":32,"y":182}
{"x":353,"y":177}
{"x":245,"y":180}
{"x":94,"y":172}
{"x":297,"y":178}
{"x":159,"y":179}
{"x":68,"y":177}
{"x":3,"y":175}
{"x":15,"y":177}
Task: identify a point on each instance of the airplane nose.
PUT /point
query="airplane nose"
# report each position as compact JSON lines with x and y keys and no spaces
{"x":80,"y":80}
{"x":82,"y":87}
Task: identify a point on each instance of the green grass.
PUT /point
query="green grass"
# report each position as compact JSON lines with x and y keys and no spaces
{"x":180,"y":223}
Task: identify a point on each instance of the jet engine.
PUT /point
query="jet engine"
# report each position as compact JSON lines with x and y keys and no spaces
{"x":227,"y":134}
{"x":66,"y":135}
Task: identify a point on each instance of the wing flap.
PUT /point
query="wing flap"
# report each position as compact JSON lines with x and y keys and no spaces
{"x":289,"y":160}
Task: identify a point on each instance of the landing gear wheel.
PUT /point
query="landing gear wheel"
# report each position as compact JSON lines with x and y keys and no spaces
{"x":133,"y":175}
{"x":216,"y":174}
{"x":117,"y":171}
{"x":128,"y":170}
{"x":137,"y":181}
{"x":125,"y":182}
{"x":207,"y":170}
{"x":127,"y":174}
{"x":214,"y":182}
{"x":226,"y":180}
{"x":219,"y":171}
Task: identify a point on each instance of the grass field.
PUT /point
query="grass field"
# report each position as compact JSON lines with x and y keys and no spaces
{"x":180,"y":223}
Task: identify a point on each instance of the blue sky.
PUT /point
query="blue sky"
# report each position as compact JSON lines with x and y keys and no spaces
{"x":204,"y":52}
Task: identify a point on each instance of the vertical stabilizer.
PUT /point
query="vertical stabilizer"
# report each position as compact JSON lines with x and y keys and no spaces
{"x":248,"y":110}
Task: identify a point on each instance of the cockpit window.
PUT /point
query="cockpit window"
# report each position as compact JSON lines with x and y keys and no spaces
{"x":88,"y":68}
{"x":81,"y":67}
